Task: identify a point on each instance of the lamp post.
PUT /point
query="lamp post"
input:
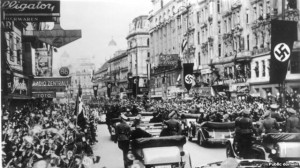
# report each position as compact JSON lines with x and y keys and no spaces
{"x":148,"y":76}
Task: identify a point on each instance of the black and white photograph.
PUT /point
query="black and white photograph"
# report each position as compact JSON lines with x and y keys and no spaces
{"x":150,"y":83}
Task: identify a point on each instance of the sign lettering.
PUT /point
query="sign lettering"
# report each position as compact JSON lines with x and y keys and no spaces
{"x":50,"y":84}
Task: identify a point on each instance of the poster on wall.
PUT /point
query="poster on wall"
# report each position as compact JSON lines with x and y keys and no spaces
{"x":43,"y":62}
{"x":18,"y":86}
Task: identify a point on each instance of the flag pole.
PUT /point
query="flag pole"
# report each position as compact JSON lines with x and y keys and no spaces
{"x":283,"y":82}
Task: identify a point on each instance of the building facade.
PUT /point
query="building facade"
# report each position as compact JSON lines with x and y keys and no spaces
{"x":118,"y":70}
{"x":234,"y":39}
{"x":171,"y":44}
{"x":138,"y":53}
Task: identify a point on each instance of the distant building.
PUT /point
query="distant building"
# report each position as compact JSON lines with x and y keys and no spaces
{"x":138,"y":53}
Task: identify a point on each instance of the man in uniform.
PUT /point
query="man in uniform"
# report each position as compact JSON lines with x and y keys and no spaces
{"x":269,"y":124}
{"x":123,"y":135}
{"x":173,"y":125}
{"x":244,"y":131}
{"x":293,"y":122}
{"x":275,"y":114}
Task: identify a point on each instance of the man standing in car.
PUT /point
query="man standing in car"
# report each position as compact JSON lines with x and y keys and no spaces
{"x":293,"y":122}
{"x":123,"y":135}
{"x":173,"y":125}
{"x":244,"y":132}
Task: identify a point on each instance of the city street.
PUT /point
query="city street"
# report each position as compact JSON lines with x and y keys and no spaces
{"x":111,"y":155}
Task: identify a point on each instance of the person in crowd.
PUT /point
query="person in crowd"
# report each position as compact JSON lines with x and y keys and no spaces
{"x":268,"y":124}
{"x":292,"y":122}
{"x":123,"y":134}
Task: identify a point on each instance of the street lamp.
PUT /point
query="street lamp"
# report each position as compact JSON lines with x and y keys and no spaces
{"x":148,"y":76}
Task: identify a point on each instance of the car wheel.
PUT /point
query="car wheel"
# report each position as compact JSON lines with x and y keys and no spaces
{"x":229,"y":152}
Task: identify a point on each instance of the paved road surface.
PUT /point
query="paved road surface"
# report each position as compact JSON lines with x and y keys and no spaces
{"x":111,"y":155}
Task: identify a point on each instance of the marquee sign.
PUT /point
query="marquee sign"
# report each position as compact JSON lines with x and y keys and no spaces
{"x":57,"y":84}
{"x":44,"y":94}
{"x":30,"y":10}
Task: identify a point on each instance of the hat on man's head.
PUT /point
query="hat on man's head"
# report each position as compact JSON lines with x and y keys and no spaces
{"x":291,"y":110}
{"x":123,"y":117}
{"x":172,"y":114}
{"x":274,"y":106}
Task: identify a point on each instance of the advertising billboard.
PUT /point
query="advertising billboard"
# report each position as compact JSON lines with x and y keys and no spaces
{"x":57,"y":84}
{"x":43,"y":62}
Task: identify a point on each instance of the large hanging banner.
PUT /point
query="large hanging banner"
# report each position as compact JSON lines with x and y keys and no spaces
{"x":188,"y":76}
{"x":283,"y":35}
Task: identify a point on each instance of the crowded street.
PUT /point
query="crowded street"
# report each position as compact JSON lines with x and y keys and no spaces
{"x":150,"y":83}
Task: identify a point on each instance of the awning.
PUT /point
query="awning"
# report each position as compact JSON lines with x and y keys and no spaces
{"x":56,"y":37}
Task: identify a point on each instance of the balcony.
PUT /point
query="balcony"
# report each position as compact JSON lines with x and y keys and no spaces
{"x":210,"y":40}
{"x":257,"y":51}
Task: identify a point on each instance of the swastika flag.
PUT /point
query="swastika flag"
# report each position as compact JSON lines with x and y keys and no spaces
{"x":188,"y":76}
{"x":283,"y":35}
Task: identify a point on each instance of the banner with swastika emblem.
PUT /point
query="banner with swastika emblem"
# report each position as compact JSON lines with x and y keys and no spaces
{"x":188,"y":76}
{"x":283,"y":35}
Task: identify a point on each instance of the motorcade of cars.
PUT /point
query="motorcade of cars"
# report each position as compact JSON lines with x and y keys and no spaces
{"x":159,"y":152}
{"x":280,"y":148}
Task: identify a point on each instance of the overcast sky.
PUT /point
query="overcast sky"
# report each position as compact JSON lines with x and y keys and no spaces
{"x":99,"y":20}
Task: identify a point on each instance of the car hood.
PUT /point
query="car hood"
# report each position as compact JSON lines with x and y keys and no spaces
{"x":161,"y":155}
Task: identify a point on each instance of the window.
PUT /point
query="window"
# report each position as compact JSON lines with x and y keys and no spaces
{"x":198,"y":17}
{"x":263,"y":68}
{"x":256,"y":69}
{"x":198,"y":37}
{"x":218,"y":6}
{"x":199,"y":60}
{"x":11,"y":47}
{"x":254,"y":13}
{"x":147,"y":41}
{"x":18,"y":50}
{"x":219,"y":27}
{"x":247,"y":16}
{"x":229,"y":24}
{"x":248,"y":42}
{"x":220,"y":50}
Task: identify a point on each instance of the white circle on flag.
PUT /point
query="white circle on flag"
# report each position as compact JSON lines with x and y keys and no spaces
{"x":95,"y":88}
{"x":282,"y":52}
{"x":189,"y":79}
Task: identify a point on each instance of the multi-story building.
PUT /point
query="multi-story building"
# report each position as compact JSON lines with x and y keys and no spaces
{"x":118,"y":69}
{"x":171,"y":44}
{"x":100,"y":78}
{"x":234,"y":39}
{"x":138,"y":54}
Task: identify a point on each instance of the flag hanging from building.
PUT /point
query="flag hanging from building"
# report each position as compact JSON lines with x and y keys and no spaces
{"x":108,"y":89}
{"x":95,"y":88}
{"x":78,"y":100}
{"x":283,"y":35}
{"x":188,"y":75}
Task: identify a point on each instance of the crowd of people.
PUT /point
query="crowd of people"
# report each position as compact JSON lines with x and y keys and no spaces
{"x":43,"y":133}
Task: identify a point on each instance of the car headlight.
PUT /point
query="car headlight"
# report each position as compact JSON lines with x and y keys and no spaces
{"x":273,"y":151}
{"x":130,"y":156}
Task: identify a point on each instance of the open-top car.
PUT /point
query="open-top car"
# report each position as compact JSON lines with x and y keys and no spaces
{"x":159,"y":152}
{"x":283,"y":148}
{"x":245,"y":163}
{"x":189,"y":122}
{"x":214,"y":132}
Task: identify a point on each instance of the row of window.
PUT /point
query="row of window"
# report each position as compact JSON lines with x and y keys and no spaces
{"x":15,"y":48}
